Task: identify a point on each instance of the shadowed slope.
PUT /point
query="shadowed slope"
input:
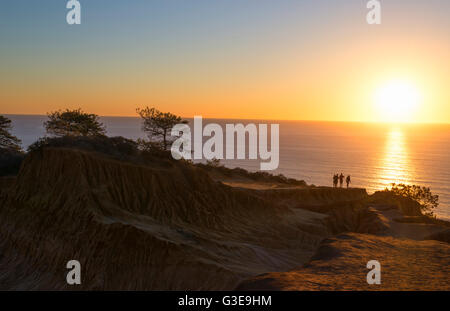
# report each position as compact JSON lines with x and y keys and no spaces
{"x":141,"y":227}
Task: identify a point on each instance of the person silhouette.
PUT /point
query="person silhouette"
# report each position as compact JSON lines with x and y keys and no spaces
{"x":335,"y":180}
{"x":348,"y":180}
{"x":341,"y":180}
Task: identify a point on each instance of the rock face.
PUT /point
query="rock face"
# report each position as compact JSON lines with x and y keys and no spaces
{"x":167,"y":225}
{"x":141,"y":227}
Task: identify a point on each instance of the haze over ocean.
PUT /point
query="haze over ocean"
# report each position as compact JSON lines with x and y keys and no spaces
{"x":373,"y":154}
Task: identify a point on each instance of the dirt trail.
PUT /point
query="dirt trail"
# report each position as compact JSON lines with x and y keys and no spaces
{"x":414,"y":231}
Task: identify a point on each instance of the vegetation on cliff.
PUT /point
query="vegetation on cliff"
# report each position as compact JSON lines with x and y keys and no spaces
{"x":123,"y":219}
{"x":158,"y":125}
{"x":11,"y":154}
{"x":73,"y":123}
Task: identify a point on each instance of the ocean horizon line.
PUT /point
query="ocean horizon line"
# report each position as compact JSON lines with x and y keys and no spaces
{"x":260,"y":119}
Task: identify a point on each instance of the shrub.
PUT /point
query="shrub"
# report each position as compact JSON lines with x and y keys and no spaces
{"x":153,"y":148}
{"x":118,"y":147}
{"x":215,"y":165}
{"x":423,"y":195}
{"x":73,"y":123}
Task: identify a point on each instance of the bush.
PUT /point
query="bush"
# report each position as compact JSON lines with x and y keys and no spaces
{"x":214,"y":164}
{"x":153,"y":148}
{"x":73,"y":123}
{"x":118,"y":147}
{"x":423,"y":195}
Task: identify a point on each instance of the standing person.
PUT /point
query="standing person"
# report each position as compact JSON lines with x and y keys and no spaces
{"x":348,"y":180}
{"x":335,"y":180}
{"x":341,"y":179}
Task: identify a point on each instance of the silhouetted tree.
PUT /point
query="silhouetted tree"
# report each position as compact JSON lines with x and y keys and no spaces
{"x":422,"y":195}
{"x":158,"y":124}
{"x":74,"y":123}
{"x":8,"y":142}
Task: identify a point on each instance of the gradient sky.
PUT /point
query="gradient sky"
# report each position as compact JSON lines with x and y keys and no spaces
{"x":258,"y":59}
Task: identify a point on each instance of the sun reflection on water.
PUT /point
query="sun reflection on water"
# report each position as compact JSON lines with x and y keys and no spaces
{"x":395,"y":166}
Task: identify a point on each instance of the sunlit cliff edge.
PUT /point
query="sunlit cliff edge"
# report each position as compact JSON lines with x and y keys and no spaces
{"x":168,"y":225}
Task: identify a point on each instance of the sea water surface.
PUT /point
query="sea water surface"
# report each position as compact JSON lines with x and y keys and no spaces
{"x":375,"y":155}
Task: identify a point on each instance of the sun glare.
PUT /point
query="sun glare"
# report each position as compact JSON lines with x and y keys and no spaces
{"x":397,"y":101}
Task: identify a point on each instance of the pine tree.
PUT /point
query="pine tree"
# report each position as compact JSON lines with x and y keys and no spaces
{"x":8,"y":142}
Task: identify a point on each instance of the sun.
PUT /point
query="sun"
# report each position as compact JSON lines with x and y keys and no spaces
{"x":397,"y":101}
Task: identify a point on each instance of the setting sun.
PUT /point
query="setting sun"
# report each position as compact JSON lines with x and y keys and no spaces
{"x":397,"y":101}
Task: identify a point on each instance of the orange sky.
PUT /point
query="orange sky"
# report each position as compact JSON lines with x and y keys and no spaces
{"x":320,"y":71}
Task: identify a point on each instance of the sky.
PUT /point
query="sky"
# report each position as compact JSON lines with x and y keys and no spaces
{"x":248,"y":59}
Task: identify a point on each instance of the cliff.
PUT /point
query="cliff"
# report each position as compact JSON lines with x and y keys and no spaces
{"x":154,"y":224}
{"x":145,"y":227}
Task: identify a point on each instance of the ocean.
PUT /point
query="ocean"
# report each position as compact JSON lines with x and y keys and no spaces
{"x":375,"y":155}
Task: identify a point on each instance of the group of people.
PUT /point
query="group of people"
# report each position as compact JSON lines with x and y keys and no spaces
{"x":340,"y":179}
